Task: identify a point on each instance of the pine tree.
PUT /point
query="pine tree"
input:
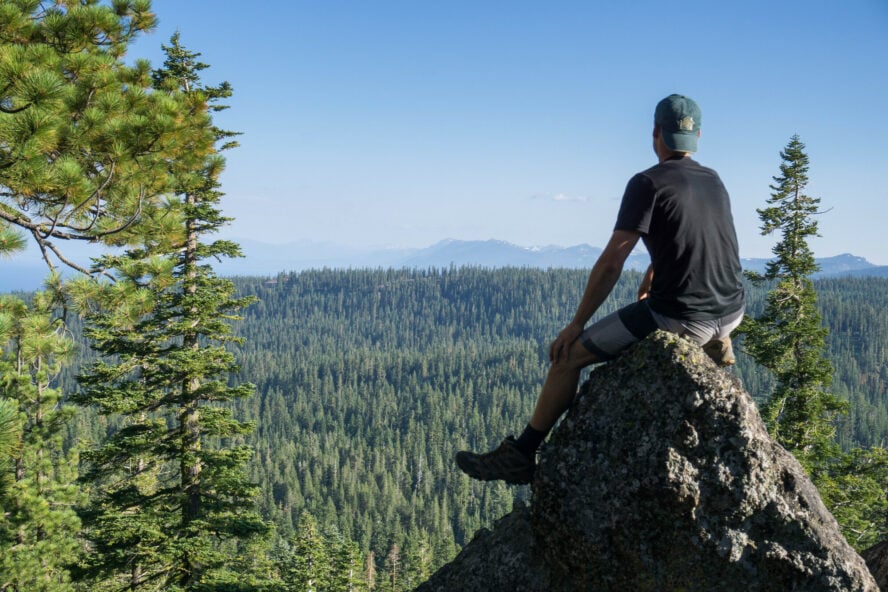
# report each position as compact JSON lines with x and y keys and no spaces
{"x":346,"y":564}
{"x":38,"y":523}
{"x":308,"y":568}
{"x":853,"y":487}
{"x":167,"y":493}
{"x":788,"y":338}
{"x":83,"y":141}
{"x":417,"y":560}
{"x":370,"y":570}
{"x":393,"y":569}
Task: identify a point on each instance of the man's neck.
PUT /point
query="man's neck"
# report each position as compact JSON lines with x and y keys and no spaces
{"x":665,"y":155}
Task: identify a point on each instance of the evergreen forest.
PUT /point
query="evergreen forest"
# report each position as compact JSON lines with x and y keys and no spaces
{"x":368,"y":381}
{"x":166,"y":428}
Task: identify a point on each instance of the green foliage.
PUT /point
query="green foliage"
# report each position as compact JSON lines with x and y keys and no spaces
{"x":11,"y":241}
{"x":368,"y":382}
{"x":310,"y":565}
{"x":787,"y":338}
{"x":169,"y":495}
{"x":84,"y":142}
{"x":854,"y":311}
{"x":853,"y":487}
{"x":9,"y":427}
{"x":38,"y":524}
{"x":314,"y":560}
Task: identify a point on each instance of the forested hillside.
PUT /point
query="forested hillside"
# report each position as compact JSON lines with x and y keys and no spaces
{"x":369,"y":381}
{"x":134,"y":454}
{"x":856,"y":312}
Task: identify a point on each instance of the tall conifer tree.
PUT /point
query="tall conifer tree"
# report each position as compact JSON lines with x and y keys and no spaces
{"x":169,"y":499}
{"x":788,"y":338}
{"x":308,"y":567}
{"x":38,"y":523}
{"x":83,"y":150}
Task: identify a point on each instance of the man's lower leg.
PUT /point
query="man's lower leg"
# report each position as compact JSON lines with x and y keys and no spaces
{"x":530,"y":439}
{"x":557,"y":394}
{"x":514,"y":460}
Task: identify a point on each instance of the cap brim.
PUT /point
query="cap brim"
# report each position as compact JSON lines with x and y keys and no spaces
{"x":681,"y":142}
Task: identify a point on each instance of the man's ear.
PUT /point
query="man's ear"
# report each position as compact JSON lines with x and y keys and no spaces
{"x":657,"y":130}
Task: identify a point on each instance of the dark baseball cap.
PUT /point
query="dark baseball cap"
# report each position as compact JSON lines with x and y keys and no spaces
{"x":679,"y":119}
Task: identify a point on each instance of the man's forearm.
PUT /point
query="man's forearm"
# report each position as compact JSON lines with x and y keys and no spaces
{"x":604,"y":274}
{"x":602,"y":279}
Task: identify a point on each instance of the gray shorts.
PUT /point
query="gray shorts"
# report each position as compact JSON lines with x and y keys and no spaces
{"x":611,"y":335}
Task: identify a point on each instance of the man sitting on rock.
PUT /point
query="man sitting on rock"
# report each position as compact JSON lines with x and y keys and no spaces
{"x":693,"y":287}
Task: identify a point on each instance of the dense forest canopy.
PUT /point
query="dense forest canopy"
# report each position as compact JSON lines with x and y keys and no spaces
{"x":368,"y":381}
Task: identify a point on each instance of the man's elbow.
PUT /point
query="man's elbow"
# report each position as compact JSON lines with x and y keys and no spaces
{"x":610,"y":266}
{"x":617,"y":251}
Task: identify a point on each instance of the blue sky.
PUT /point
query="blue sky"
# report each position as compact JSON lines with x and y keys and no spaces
{"x":403,"y":123}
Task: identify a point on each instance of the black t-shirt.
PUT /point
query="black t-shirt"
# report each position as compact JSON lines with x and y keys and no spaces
{"x":683,"y":213}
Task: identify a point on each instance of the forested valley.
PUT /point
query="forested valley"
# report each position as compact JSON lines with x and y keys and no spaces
{"x":368,"y":382}
{"x":164,"y":428}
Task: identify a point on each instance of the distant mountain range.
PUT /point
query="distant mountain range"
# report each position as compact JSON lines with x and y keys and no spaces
{"x":264,"y":259}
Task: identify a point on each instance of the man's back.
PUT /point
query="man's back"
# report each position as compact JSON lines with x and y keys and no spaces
{"x":684,"y":215}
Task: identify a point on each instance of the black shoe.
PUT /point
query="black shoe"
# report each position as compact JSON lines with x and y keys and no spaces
{"x":505,"y":463}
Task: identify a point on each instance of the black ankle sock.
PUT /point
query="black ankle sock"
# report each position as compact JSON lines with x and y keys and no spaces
{"x":530,"y":439}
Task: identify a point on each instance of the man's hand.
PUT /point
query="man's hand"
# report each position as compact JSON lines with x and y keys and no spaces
{"x":561,"y":346}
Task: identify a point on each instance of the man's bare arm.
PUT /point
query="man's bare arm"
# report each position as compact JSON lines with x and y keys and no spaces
{"x":602,"y":278}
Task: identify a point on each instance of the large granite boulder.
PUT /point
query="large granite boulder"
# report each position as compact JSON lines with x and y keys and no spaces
{"x":876,"y":558}
{"x":662,"y":478}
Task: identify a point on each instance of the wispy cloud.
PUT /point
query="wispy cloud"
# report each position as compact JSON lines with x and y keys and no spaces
{"x":560,"y":197}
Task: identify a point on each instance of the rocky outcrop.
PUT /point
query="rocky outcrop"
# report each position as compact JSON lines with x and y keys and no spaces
{"x":876,"y":558}
{"x":660,"y":478}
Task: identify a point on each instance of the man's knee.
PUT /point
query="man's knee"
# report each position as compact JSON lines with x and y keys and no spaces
{"x":578,"y":357}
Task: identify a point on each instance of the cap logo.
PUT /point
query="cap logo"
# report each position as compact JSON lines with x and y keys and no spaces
{"x":686,"y":124}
